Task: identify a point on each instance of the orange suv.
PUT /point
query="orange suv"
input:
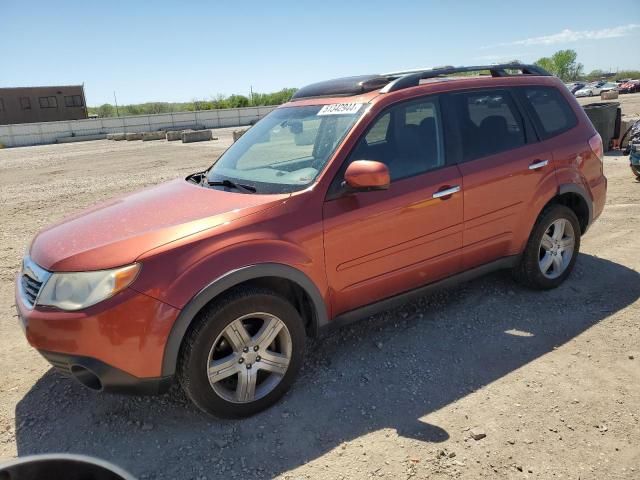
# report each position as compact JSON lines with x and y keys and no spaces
{"x":359,"y":193}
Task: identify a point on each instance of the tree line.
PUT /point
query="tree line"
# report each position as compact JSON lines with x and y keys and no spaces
{"x":563,"y":64}
{"x":218,"y":102}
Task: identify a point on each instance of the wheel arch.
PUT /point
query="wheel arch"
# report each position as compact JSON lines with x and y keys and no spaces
{"x":576,"y":198}
{"x":284,"y":279}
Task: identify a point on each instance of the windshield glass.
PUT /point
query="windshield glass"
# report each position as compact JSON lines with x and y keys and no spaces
{"x":286,"y":150}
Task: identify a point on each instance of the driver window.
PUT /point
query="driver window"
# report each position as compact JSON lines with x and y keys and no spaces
{"x":407,"y":138}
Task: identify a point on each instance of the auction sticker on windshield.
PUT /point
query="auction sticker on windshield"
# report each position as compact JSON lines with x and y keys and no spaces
{"x":340,"y":109}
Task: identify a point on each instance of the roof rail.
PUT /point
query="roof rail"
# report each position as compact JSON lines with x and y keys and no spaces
{"x":410,"y":78}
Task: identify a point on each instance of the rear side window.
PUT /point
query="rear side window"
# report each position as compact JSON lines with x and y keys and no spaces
{"x":551,"y":111}
{"x":489,"y":123}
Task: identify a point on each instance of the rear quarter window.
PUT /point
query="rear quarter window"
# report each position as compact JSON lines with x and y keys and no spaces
{"x":551,"y":112}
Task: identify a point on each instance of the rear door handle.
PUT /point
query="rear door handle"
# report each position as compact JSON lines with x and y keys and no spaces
{"x":446,"y":192}
{"x":538,"y":164}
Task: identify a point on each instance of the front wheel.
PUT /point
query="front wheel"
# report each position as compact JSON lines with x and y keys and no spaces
{"x":243,"y":353}
{"x":551,"y":250}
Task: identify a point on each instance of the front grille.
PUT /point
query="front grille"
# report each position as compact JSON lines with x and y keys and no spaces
{"x":32,"y":279}
{"x":31,"y":288}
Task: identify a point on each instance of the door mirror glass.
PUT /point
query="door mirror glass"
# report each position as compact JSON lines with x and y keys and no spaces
{"x":366,"y":175}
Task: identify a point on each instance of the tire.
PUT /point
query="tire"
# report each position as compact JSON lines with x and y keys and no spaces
{"x":636,"y":171}
{"x":535,"y":258}
{"x":215,"y":339}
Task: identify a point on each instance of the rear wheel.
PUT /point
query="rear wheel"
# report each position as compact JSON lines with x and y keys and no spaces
{"x":243,"y":353}
{"x":551,"y":250}
{"x":636,"y":171}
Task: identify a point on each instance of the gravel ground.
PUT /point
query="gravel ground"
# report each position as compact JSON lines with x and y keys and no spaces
{"x":487,"y":380}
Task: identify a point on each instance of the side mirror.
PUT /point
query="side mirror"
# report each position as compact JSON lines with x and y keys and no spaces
{"x":367,"y":175}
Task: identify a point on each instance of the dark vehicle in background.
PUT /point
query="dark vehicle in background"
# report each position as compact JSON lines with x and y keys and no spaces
{"x":632,"y":86}
{"x":575,"y":86}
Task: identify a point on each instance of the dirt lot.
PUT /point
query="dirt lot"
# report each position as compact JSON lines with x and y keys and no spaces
{"x":630,"y":103}
{"x":552,"y":379}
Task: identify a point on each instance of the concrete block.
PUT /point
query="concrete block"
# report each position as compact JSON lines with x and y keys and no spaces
{"x":175,"y":135}
{"x":119,"y":136}
{"x":609,"y":95}
{"x":146,"y":136}
{"x":238,"y":133}
{"x":196,"y":136}
{"x":133,"y":136}
{"x":109,"y":136}
{"x":82,"y":138}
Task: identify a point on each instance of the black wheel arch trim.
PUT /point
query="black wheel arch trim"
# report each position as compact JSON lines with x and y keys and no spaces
{"x":578,"y":190}
{"x":230,"y":280}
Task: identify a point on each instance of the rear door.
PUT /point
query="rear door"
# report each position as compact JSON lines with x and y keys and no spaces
{"x":503,"y":167}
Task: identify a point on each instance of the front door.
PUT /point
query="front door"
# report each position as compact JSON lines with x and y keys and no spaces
{"x":381,"y":243}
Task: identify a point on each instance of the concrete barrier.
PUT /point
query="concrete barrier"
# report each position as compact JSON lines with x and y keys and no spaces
{"x":238,"y":133}
{"x":146,"y":136}
{"x":118,"y":136}
{"x":174,"y":135}
{"x":81,"y":138}
{"x":609,"y":95}
{"x":133,"y":136}
{"x":196,"y":136}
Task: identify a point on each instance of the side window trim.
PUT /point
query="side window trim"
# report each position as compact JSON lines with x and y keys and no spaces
{"x":336,"y":190}
{"x":531,"y":131}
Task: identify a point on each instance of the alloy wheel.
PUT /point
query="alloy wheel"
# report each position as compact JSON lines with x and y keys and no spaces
{"x":250,"y":357}
{"x":556,"y":248}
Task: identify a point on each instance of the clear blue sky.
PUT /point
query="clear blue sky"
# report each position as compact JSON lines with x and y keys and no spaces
{"x":180,"y":50}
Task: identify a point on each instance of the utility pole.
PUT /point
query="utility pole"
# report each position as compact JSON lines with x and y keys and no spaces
{"x":116,"y":100}
{"x":251,"y":94}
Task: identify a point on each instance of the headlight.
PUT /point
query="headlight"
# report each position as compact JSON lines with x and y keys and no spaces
{"x":77,"y":290}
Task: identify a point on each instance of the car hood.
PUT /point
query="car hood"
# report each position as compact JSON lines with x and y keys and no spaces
{"x":118,"y":231}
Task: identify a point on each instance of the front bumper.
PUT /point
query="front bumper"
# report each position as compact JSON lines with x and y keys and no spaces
{"x":99,"y":376}
{"x":120,"y":340}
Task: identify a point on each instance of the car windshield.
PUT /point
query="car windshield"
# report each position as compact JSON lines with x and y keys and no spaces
{"x":287,"y":149}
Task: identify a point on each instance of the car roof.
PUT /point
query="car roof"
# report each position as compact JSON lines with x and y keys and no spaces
{"x":340,"y":90}
{"x":393,"y":81}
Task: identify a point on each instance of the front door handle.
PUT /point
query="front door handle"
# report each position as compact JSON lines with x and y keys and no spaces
{"x":446,"y":192}
{"x":538,"y":164}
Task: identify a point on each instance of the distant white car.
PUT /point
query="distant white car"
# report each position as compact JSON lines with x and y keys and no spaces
{"x":595,"y":89}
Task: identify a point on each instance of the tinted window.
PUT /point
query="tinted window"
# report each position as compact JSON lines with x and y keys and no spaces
{"x":489,"y":123}
{"x":552,"y":112}
{"x":407,"y":138}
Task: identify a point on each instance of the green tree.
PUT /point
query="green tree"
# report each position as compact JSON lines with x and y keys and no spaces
{"x":105,"y":110}
{"x":238,"y":101}
{"x":562,"y":64}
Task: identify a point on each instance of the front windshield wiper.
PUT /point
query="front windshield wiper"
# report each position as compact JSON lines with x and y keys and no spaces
{"x":229,"y":184}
